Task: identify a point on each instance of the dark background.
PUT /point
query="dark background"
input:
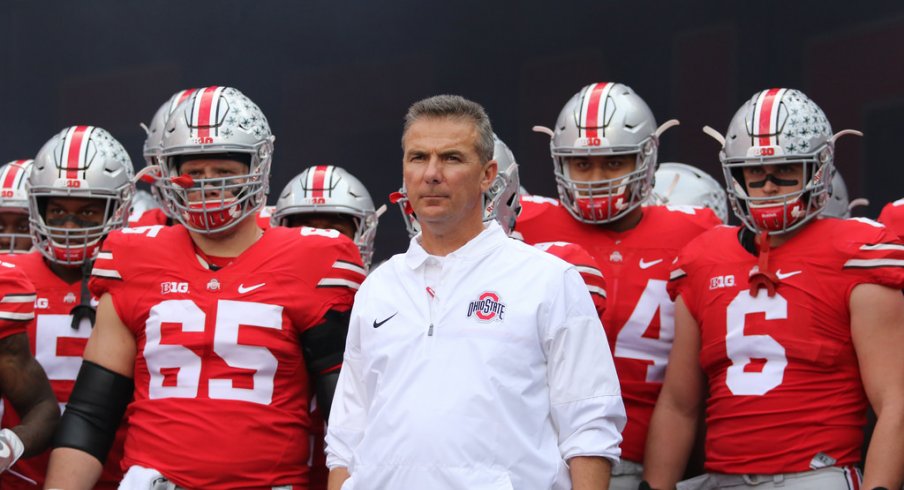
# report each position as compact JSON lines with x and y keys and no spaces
{"x":335,"y":77}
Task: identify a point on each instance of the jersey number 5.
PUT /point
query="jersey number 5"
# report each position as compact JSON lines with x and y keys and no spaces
{"x":186,"y":364}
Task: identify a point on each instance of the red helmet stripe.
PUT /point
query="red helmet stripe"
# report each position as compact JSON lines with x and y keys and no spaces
{"x":77,"y":143}
{"x":766,"y":123}
{"x":593,"y":109}
{"x":10,"y":173}
{"x":319,"y":180}
{"x":204,"y":108}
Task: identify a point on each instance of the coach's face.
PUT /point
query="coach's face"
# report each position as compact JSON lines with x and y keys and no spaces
{"x":443,"y":173}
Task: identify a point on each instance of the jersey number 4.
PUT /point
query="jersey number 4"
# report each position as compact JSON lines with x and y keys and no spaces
{"x":633,"y":341}
{"x":171,"y":358}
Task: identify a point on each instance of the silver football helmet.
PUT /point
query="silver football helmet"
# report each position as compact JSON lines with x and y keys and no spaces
{"x":216,"y":122}
{"x":684,"y":185}
{"x":14,"y":199}
{"x":151,"y":149}
{"x":605,"y":119}
{"x":331,"y":189}
{"x":79,"y":162}
{"x":840,"y":204}
{"x":775,"y":127}
{"x":502,"y":201}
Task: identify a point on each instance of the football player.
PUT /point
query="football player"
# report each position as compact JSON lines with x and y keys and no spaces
{"x":14,"y":235}
{"x":329,"y":197}
{"x":22,"y":381}
{"x":892,"y":216}
{"x":787,"y":327}
{"x":221,"y":331}
{"x":604,"y":149}
{"x":679,"y":184}
{"x":79,"y":190}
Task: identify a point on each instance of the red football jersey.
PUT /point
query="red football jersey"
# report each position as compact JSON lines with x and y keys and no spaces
{"x":221,"y":386}
{"x":263,"y":217}
{"x":892,"y":216}
{"x":58,"y":348}
{"x":575,"y":255}
{"x":784,"y":383}
{"x":149,"y":217}
{"x":17,"y":300}
{"x":639,"y":317}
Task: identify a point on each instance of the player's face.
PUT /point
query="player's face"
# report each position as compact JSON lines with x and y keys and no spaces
{"x":12,"y":222}
{"x":213,"y":168}
{"x":342,"y":223}
{"x":773,"y":180}
{"x":600,"y":167}
{"x":443,"y":173}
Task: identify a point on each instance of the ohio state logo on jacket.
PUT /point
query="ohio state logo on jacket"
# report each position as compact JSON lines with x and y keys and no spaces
{"x":487,"y":307}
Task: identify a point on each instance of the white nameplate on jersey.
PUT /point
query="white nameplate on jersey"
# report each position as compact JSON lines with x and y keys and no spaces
{"x":718,"y":282}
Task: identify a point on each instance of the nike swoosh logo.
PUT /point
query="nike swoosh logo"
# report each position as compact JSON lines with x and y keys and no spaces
{"x":647,"y":265}
{"x":786,"y":275}
{"x":243,"y":289}
{"x":378,"y":324}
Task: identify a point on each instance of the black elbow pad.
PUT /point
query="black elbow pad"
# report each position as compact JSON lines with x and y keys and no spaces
{"x":324,"y":344}
{"x":94,"y":412}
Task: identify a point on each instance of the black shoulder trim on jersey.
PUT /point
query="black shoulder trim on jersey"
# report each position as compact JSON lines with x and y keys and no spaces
{"x":748,"y":240}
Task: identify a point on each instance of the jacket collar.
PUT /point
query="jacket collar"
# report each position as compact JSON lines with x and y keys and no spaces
{"x":488,"y":239}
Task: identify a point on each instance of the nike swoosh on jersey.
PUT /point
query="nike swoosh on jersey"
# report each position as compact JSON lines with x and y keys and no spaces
{"x":243,"y":289}
{"x":647,"y":265}
{"x":378,"y":324}
{"x":786,"y":275}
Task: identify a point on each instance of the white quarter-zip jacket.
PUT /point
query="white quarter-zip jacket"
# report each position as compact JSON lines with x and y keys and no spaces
{"x":484,"y":369}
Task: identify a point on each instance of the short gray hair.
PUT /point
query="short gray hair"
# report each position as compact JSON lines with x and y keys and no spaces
{"x":455,"y":106}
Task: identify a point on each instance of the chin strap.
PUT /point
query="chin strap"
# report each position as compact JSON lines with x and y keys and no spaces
{"x":760,"y":275}
{"x":84,"y":308}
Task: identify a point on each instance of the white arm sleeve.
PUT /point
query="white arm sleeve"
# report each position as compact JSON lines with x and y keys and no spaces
{"x":585,"y":397}
{"x":348,"y":413}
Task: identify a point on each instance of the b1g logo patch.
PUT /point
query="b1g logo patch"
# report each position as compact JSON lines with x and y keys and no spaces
{"x":487,"y":308}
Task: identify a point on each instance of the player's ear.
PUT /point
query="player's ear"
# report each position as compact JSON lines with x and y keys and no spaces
{"x":490,"y":169}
